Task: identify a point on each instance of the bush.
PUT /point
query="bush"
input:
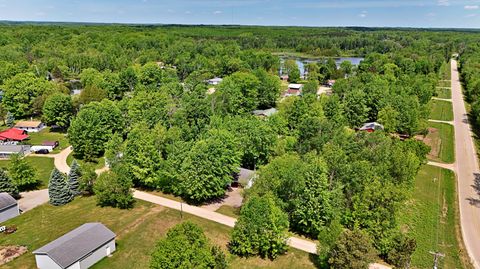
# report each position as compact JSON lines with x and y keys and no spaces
{"x":261,"y":229}
{"x":113,"y":189}
{"x":352,"y":250}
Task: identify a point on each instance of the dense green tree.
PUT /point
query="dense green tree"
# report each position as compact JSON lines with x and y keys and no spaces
{"x":388,"y":117}
{"x":58,"y":189}
{"x":186,"y":246}
{"x":260,"y":229}
{"x":353,"y":249}
{"x":21,"y":172}
{"x":208,"y":168}
{"x":150,"y":107}
{"x":310,"y":88}
{"x":8,"y":185}
{"x":58,"y":110}
{"x":238,"y":93}
{"x":114,"y":150}
{"x":128,"y":79}
{"x":92,"y":94}
{"x":113,"y":188}
{"x":268,"y":89}
{"x":73,"y":178}
{"x":87,"y":178}
{"x":294,"y":75}
{"x":401,"y":253}
{"x":93,"y":127}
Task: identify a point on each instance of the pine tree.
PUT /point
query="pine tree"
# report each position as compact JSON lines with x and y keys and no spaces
{"x":7,"y":185}
{"x":58,"y":189}
{"x":10,"y":119}
{"x":73,"y":178}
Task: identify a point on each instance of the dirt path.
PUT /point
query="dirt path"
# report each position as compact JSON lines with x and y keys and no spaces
{"x":449,"y":166}
{"x":468,"y":173}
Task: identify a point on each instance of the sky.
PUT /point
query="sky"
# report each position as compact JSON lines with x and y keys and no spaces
{"x":370,"y":13}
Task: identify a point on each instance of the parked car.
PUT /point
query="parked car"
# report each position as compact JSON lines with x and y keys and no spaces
{"x":42,"y":151}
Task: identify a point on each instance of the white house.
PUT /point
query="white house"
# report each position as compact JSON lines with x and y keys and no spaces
{"x":8,"y":207}
{"x":30,"y":126}
{"x":78,"y":249}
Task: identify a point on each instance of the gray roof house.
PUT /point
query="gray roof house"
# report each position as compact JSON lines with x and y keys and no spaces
{"x":7,"y":150}
{"x":8,"y":207}
{"x":78,"y":249}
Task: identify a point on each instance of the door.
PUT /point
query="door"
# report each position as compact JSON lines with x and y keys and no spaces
{"x":108,"y":250}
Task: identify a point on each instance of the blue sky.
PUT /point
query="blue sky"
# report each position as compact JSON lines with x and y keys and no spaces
{"x":391,"y":13}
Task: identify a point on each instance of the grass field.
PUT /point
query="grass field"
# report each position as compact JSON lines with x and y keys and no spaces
{"x":46,"y":135}
{"x":230,"y":211}
{"x":100,"y":162}
{"x":445,"y":83}
{"x":441,"y":110}
{"x":441,"y":140}
{"x":43,"y":168}
{"x":137,"y":232}
{"x":430,"y":217}
{"x":444,"y":93}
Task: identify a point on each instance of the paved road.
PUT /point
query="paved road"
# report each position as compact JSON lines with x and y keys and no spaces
{"x":467,"y":170}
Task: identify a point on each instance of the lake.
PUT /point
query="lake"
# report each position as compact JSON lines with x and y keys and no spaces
{"x":301,"y":62}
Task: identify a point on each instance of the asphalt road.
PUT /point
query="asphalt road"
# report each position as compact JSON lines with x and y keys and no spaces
{"x":468,"y":173}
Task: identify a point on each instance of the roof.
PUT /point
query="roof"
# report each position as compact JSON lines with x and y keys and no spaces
{"x":215,"y":79}
{"x":372,"y":126}
{"x":295,"y":86}
{"x":73,"y":246}
{"x":50,"y":143}
{"x":13,"y":134}
{"x":12,"y":148}
{"x":6,"y":200}
{"x":28,"y":124}
{"x":245,"y":174}
{"x":266,"y":112}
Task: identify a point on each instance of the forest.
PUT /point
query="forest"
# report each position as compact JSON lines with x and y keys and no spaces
{"x":146,"y":107}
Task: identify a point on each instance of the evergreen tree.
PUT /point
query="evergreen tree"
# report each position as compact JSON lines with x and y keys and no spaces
{"x":10,"y":119}
{"x":58,"y":189}
{"x":7,"y":185}
{"x":73,"y":178}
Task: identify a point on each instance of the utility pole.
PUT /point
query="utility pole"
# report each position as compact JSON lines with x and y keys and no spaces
{"x":436,"y":255}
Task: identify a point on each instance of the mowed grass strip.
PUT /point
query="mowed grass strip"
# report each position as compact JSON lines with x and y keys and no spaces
{"x":444,"y":93}
{"x":43,"y":168}
{"x":441,"y":140}
{"x":429,"y":216}
{"x":441,"y":110}
{"x":137,"y":230}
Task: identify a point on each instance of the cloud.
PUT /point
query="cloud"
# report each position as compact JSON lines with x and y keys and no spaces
{"x":470,"y":7}
{"x":363,"y":14}
{"x":216,"y":12}
{"x":444,"y":3}
{"x":470,"y":15}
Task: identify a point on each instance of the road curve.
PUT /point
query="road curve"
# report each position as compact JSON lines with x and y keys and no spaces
{"x":467,"y":169}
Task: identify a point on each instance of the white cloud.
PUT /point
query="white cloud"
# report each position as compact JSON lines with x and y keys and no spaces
{"x":444,"y":3}
{"x":216,"y":12}
{"x":470,"y":7}
{"x":470,"y":15}
{"x":363,"y":14}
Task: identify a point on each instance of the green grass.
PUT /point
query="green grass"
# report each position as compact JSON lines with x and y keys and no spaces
{"x":441,"y":110}
{"x":43,"y":167}
{"x":46,"y":135}
{"x":430,"y":216}
{"x":230,"y":211}
{"x":99,"y":163}
{"x":444,"y":93}
{"x":441,"y":140}
{"x":445,"y":83}
{"x":137,"y":231}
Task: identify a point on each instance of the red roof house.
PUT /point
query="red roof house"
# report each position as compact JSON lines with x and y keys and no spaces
{"x":13,"y":134}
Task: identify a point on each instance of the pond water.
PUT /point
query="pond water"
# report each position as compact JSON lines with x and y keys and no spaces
{"x":301,"y":62}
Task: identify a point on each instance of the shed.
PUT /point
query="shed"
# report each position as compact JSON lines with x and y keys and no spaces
{"x":372,"y":127}
{"x":30,"y":126}
{"x":294,"y":89}
{"x":7,"y":150}
{"x":8,"y":207}
{"x":78,"y":249}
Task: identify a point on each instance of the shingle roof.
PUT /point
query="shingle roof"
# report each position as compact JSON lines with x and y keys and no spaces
{"x":18,"y":149}
{"x":73,"y":246}
{"x":6,"y":200}
{"x":13,"y":134}
{"x":28,"y":124}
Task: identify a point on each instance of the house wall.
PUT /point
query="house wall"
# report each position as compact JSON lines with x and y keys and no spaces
{"x":32,"y":129}
{"x":9,"y":213}
{"x":75,"y":266}
{"x":44,"y":262}
{"x":97,"y":255}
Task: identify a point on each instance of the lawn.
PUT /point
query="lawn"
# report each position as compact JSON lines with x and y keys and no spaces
{"x":99,"y":163}
{"x":441,"y":140}
{"x":43,"y":168}
{"x":441,"y":110}
{"x":46,"y":135}
{"x":137,"y":232}
{"x":444,"y":83}
{"x":430,"y":216}
{"x":444,"y":93}
{"x":230,"y":211}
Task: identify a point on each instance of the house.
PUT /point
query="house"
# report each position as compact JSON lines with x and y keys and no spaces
{"x":372,"y":127}
{"x":8,"y":207}
{"x":214,"y":81}
{"x":13,"y":134}
{"x":78,"y":249}
{"x":8,"y":150}
{"x":266,"y":112}
{"x":30,"y":126}
{"x":294,"y":89}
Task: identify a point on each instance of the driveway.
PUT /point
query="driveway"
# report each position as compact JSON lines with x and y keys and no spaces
{"x":32,"y":199}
